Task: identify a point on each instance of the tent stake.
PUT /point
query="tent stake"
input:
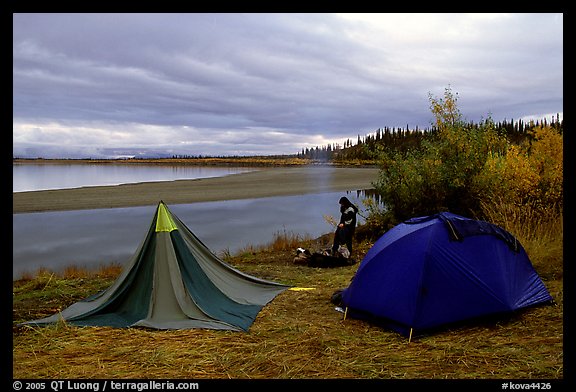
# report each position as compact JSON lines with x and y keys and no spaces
{"x":410,"y":337}
{"x":345,"y":313}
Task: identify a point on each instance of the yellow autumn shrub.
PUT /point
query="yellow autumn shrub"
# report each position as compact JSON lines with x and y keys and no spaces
{"x":522,"y":191}
{"x":547,"y":159}
{"x":531,"y":173}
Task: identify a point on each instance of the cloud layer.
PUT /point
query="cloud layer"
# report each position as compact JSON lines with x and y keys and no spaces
{"x":105,"y":85}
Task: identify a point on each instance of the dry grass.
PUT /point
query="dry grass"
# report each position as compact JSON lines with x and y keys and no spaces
{"x":541,"y":233}
{"x":298,"y":335}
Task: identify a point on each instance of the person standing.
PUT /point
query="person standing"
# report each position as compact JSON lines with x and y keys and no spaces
{"x":346,"y":227}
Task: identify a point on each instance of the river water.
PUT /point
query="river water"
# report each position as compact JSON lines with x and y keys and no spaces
{"x":35,"y":177}
{"x":90,"y":238}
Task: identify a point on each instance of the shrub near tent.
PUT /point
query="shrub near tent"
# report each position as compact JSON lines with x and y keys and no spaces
{"x":436,"y":270}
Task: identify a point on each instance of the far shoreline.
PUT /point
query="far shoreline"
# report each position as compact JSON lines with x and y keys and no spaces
{"x":240,"y":161}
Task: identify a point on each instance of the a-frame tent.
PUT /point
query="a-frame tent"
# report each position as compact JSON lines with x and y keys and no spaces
{"x":173,"y":281}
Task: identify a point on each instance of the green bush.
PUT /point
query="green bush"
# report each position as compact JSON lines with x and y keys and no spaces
{"x":440,"y":175}
{"x":464,"y":167}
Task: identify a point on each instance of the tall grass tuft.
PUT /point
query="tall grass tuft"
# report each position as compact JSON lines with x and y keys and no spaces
{"x":540,"y":231}
{"x":282,"y":241}
{"x":287,"y":241}
{"x":74,"y":271}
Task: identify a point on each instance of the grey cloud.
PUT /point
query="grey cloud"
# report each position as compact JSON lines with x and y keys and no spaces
{"x":289,"y":74}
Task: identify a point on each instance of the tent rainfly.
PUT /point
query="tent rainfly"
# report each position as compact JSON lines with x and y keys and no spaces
{"x":173,"y":281}
{"x":431,"y":271}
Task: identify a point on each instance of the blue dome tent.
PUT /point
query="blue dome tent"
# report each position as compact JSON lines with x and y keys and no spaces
{"x":441,"y":269}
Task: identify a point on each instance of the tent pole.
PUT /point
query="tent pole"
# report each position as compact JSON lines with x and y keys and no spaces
{"x":345,"y":313}
{"x":410,"y":337}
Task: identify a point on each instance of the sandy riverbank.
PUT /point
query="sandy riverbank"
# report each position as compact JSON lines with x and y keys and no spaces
{"x":282,"y":181}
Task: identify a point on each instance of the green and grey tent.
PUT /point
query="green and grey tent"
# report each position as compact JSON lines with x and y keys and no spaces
{"x":173,"y":281}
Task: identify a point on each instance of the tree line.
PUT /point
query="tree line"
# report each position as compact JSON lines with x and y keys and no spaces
{"x":367,"y":148}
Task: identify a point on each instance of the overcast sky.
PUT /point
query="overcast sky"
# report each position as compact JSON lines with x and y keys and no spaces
{"x":109,"y":85}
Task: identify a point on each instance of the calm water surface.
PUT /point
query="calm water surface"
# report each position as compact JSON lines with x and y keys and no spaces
{"x":32,"y":177}
{"x":89,"y":238}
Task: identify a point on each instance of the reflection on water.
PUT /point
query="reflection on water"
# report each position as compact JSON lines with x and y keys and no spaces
{"x":34,"y":177}
{"x":368,"y":194}
{"x":90,"y":238}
